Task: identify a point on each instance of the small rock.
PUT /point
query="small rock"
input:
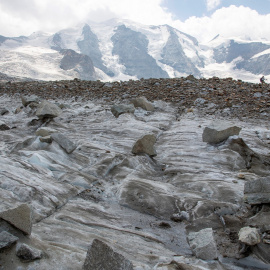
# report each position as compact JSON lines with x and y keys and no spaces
{"x":27,"y":253}
{"x":46,"y":139}
{"x":3,"y":126}
{"x":7,"y":240}
{"x":45,"y":131}
{"x":249,"y":236}
{"x":199,"y":101}
{"x":26,"y":100}
{"x":143,"y":103}
{"x":47,"y":109}
{"x":4,"y":111}
{"x":64,"y":142}
{"x":219,"y":131}
{"x":18,"y":110}
{"x":20,"y":217}
{"x":122,"y":108}
{"x":179,"y":217}
{"x":101,"y":256}
{"x":257,"y":191}
{"x":145,"y":145}
{"x":203,"y":244}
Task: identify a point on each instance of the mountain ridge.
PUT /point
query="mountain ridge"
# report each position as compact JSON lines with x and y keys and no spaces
{"x":123,"y":50}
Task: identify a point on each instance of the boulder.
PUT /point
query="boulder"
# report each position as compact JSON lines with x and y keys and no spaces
{"x":219,"y":131}
{"x":249,"y":236}
{"x":26,"y":100}
{"x":203,"y":244}
{"x":7,"y":240}
{"x":64,"y":142}
{"x":45,"y":131}
{"x":20,"y":217}
{"x":101,"y":256}
{"x":122,"y":108}
{"x":47,"y":109}
{"x":257,"y":191}
{"x":148,"y":197}
{"x":145,"y":145}
{"x":27,"y":253}
{"x":143,"y":103}
{"x":4,"y":126}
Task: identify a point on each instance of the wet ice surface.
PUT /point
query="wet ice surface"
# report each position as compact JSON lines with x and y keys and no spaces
{"x":103,"y":191}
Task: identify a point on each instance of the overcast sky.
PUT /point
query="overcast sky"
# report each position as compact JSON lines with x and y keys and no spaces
{"x":203,"y":19}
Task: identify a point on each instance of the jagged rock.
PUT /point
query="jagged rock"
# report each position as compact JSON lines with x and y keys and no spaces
{"x":20,"y":217}
{"x":101,"y":256}
{"x":46,"y":139}
{"x":26,"y":100}
{"x":64,"y":142}
{"x":122,"y":108}
{"x":47,"y":109}
{"x":249,"y":236}
{"x":219,"y":131}
{"x":203,"y":244}
{"x":145,"y":145}
{"x":45,"y":131}
{"x":4,"y":126}
{"x":7,"y":240}
{"x":27,"y":253}
{"x":142,"y":103}
{"x":257,"y":191}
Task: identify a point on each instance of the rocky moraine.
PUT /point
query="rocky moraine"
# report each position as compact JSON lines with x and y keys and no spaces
{"x":160,"y":174}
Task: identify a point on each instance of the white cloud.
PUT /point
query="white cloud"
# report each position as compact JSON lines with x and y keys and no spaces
{"x":19,"y":17}
{"x":23,"y":17}
{"x":212,"y":4}
{"x":232,"y":21}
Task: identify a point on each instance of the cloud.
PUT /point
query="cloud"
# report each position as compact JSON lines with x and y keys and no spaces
{"x":19,"y":17}
{"x":23,"y":17}
{"x":232,"y":21}
{"x":212,"y":4}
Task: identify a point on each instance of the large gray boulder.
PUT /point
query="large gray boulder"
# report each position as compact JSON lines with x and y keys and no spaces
{"x":122,"y":108}
{"x":27,"y":253}
{"x":7,"y":240}
{"x":47,"y":109}
{"x":20,"y":217}
{"x":249,"y":236}
{"x":203,"y":244}
{"x":143,"y":103}
{"x":257,"y":191}
{"x":145,"y":145}
{"x":64,"y":142}
{"x":101,"y":256}
{"x":219,"y":131}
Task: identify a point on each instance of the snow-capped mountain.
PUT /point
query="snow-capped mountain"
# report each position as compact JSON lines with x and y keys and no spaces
{"x":122,"y":50}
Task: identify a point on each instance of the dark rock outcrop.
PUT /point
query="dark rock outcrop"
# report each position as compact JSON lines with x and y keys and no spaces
{"x":90,"y":46}
{"x":131,"y":47}
{"x":79,"y":62}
